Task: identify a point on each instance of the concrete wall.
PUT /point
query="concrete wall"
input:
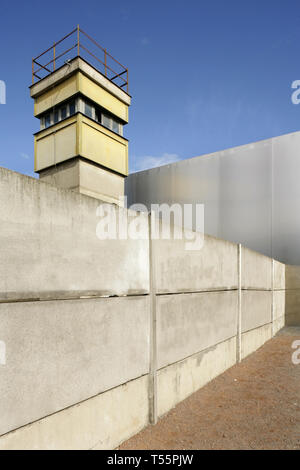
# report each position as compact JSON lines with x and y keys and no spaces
{"x":256,"y":300}
{"x":49,"y":248}
{"x":60,"y":353}
{"x":293,"y":295}
{"x":105,"y":336}
{"x":279,"y":310}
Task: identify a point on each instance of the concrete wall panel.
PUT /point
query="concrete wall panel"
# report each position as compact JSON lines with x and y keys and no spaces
{"x":279,"y":304}
{"x":102,"y":422}
{"x":189,"y":323}
{"x":279,"y":276}
{"x":292,"y":307}
{"x":49,"y":247}
{"x":62,"y":352}
{"x":178,"y":381}
{"x":278,"y":324}
{"x":214,"y":267}
{"x":256,"y":309}
{"x":255,"y":339}
{"x":256,"y":270}
{"x":292,"y":277}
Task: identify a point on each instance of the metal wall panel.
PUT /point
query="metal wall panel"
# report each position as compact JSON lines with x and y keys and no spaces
{"x":189,"y":181}
{"x":246,"y":196}
{"x":251,"y":193}
{"x":286,"y":198}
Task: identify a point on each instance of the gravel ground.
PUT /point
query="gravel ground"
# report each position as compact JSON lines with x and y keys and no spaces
{"x":253,"y":405}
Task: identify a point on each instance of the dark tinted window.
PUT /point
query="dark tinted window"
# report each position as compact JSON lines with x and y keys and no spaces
{"x":47,"y":120}
{"x":72,"y":107}
{"x":63,"y":112}
{"x":56,"y":116}
{"x":115,"y":126}
{"x":88,"y":110}
{"x":98,"y":115}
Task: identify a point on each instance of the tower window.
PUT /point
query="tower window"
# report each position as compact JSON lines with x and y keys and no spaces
{"x":88,"y":110}
{"x":106,"y":121}
{"x":48,"y":120}
{"x":59,"y":113}
{"x":78,"y":104}
{"x":112,"y":124}
{"x":63,"y":112}
{"x":115,"y":126}
{"x":98,"y":115}
{"x":72,"y":108}
{"x":56,"y":116}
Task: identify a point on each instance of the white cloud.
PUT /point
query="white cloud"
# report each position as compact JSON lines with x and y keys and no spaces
{"x":145,"y":41}
{"x":25,"y":155}
{"x":147,"y":162}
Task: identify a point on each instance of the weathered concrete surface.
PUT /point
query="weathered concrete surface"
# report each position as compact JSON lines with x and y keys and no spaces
{"x":279,"y":299}
{"x":190,"y":323}
{"x":292,"y":307}
{"x":178,"y":381}
{"x":49,"y":247}
{"x":102,"y":422}
{"x":214,"y":267}
{"x":256,"y":270}
{"x":64,"y":176}
{"x":292,"y":277}
{"x":256,"y":309}
{"x":279,"y":276}
{"x":254,"y":339}
{"x":290,"y":331}
{"x":86,"y":178}
{"x":60,"y":353}
{"x":278,"y":324}
{"x":100,"y":183}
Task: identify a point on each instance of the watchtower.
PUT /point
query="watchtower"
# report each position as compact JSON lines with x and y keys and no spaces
{"x":82,"y":106}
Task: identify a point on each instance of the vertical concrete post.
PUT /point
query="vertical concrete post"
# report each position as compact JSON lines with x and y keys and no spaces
{"x":273,"y":299}
{"x":239,"y":319}
{"x":153,"y":342}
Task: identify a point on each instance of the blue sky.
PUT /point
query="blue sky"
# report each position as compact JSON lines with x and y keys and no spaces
{"x":204,"y":75}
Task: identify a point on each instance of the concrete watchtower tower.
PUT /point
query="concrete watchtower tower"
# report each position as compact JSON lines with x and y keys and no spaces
{"x":82,"y":109}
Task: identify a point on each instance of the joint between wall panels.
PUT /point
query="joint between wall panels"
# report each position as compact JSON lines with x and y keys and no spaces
{"x":239,"y":319}
{"x":73,"y":406}
{"x":153,"y":332}
{"x":255,"y":289}
{"x":200,"y":291}
{"x":257,"y":328}
{"x":273,"y":300}
{"x":70,"y":297}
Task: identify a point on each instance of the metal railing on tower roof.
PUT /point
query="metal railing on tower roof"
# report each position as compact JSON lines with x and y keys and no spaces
{"x":65,"y":49}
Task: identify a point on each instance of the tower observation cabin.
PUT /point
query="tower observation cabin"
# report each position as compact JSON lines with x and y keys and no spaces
{"x":81,"y":98}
